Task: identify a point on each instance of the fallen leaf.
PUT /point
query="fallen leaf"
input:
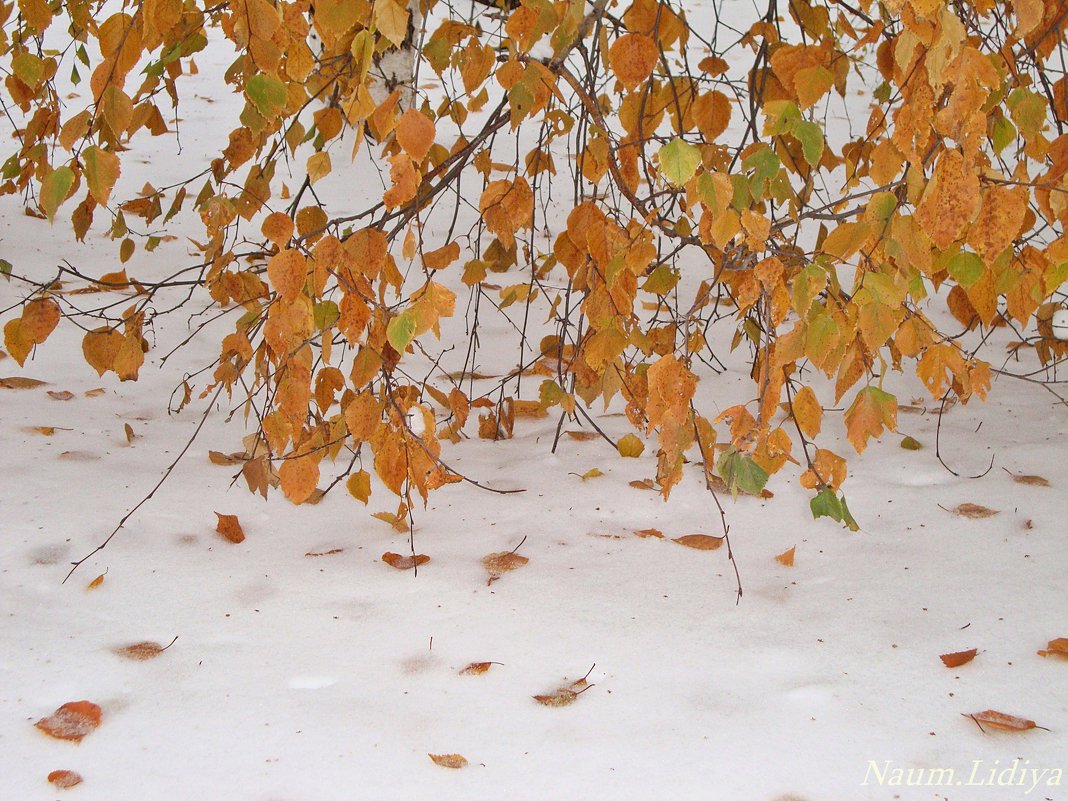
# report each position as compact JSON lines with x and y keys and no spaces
{"x":1034,"y":481}
{"x":974,"y":511}
{"x":582,"y":436}
{"x":910,"y":444}
{"x":591,"y":473}
{"x":644,"y":484}
{"x":497,"y":564}
{"x":130,"y":435}
{"x":1057,"y":647}
{"x":72,"y":721}
{"x":225,"y":459}
{"x":405,"y":562}
{"x":999,"y":720}
{"x":143,"y":651}
{"x":92,"y":393}
{"x":230,"y":527}
{"x":786,"y":557}
{"x":562,"y":697}
{"x":649,"y":532}
{"x":700,"y":542}
{"x":43,"y":430}
{"x":92,"y":585}
{"x":20,"y":382}
{"x":64,"y":778}
{"x":79,"y":456}
{"x":455,"y":761}
{"x":331,"y":552}
{"x":398,"y":522}
{"x":959,"y":658}
{"x":62,"y":395}
{"x":476,"y":668}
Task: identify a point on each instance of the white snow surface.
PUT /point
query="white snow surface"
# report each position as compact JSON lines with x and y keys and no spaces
{"x":297,"y":676}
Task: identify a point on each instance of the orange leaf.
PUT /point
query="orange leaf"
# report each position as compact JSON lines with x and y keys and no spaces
{"x":20,"y":382}
{"x":999,"y":720}
{"x":870,"y":411}
{"x":72,"y":721}
{"x":230,"y":528}
{"x":1034,"y":481}
{"x":497,"y":564}
{"x":92,"y":585}
{"x":582,"y":436}
{"x":287,"y":272}
{"x":215,"y":457}
{"x":142,"y":651}
{"x":64,"y":778}
{"x":646,"y":533}
{"x":786,"y":557}
{"x":415,"y":133}
{"x":278,"y":228}
{"x":39,"y":319}
{"x":643,"y":484}
{"x":408,"y":562}
{"x":959,"y":658}
{"x":455,"y":761}
{"x":299,"y":477}
{"x":476,"y":668}
{"x":62,"y":395}
{"x":700,"y":542}
{"x":632,"y":58}
{"x":807,"y":412}
{"x":405,"y":181}
{"x":1057,"y":647}
{"x":974,"y":511}
{"x":949,"y":200}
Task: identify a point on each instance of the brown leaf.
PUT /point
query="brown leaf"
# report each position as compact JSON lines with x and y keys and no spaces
{"x":215,"y":457}
{"x":62,"y":395}
{"x":130,"y":435}
{"x":786,"y":557}
{"x":649,"y":532}
{"x":959,"y":658}
{"x":476,"y":668}
{"x":1034,"y":481}
{"x":455,"y":761}
{"x":331,"y":552}
{"x":92,"y":393}
{"x":142,"y":651}
{"x":72,"y":721}
{"x":46,"y":431}
{"x":399,"y":562}
{"x":582,"y":436}
{"x":999,"y":720}
{"x":974,"y":511}
{"x":230,"y":527}
{"x":64,"y":778}
{"x":700,"y":542}
{"x":1057,"y":647}
{"x":20,"y":382}
{"x":497,"y":564}
{"x":562,"y":697}
{"x":643,"y":484}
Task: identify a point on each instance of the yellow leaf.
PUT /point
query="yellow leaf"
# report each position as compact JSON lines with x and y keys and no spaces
{"x":278,"y":228}
{"x":415,"y":133}
{"x":299,"y":477}
{"x":287,"y":272}
{"x":318,"y":166}
{"x":632,"y":58}
{"x":359,"y":486}
{"x":455,"y":761}
{"x":630,"y":446}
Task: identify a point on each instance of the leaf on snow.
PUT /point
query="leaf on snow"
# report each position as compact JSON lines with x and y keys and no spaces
{"x":476,"y":668}
{"x":649,"y":532}
{"x":143,"y":651}
{"x":643,"y":484}
{"x":92,"y":585}
{"x":64,"y":778}
{"x":958,"y":658}
{"x":700,"y":542}
{"x":230,"y":527}
{"x":562,"y":697}
{"x":72,"y":721}
{"x":1034,"y":481}
{"x":20,"y":382}
{"x":455,"y":761}
{"x":786,"y":557}
{"x":582,"y":436}
{"x":62,"y":395}
{"x":501,"y":562}
{"x":395,"y":560}
{"x":999,"y":720}
{"x":974,"y":511}
{"x":1057,"y":647}
{"x":331,"y":552}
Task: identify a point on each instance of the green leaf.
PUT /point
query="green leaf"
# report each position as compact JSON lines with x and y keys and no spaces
{"x":763,"y":162}
{"x":966,"y":269}
{"x":780,"y":116}
{"x":810,"y":135}
{"x":679,"y":161}
{"x":826,"y":504}
{"x":325,"y":314}
{"x":1003,"y":134}
{"x":267,"y":93}
{"x":520,"y":102}
{"x":661,"y":280}
{"x":401,"y":330}
{"x":54,"y":190}
{"x":5,"y":269}
{"x":910,"y":444}
{"x":847,"y":517}
{"x":739,"y":472}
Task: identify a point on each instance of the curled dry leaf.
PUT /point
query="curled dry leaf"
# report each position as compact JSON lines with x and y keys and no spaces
{"x":999,"y":720}
{"x":1057,"y":647}
{"x":787,"y":557}
{"x":974,"y":511}
{"x":455,"y":761}
{"x":497,"y":564}
{"x":1034,"y":481}
{"x":143,"y":651}
{"x":64,"y":778}
{"x":643,"y":484}
{"x":226,"y":459}
{"x":407,"y":562}
{"x":582,"y":436}
{"x":475,"y":668}
{"x":562,"y":697}
{"x":230,"y":528}
{"x":958,"y":658}
{"x":62,"y":395}
{"x":72,"y":721}
{"x":20,"y":382}
{"x":130,"y":435}
{"x":331,"y":552}
{"x":649,"y":532}
{"x":93,"y":393}
{"x":92,"y":585}
{"x":700,"y":542}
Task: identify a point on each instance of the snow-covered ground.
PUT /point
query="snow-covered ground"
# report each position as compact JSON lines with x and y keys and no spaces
{"x":307,"y":668}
